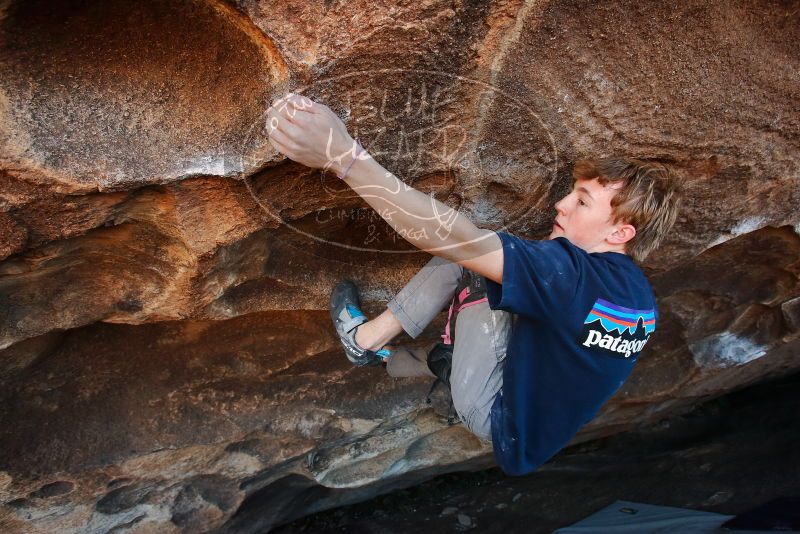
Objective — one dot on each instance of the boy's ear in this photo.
(623, 234)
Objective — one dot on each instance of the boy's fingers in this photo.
(279, 104)
(282, 118)
(290, 109)
(302, 103)
(279, 143)
(280, 136)
(275, 102)
(287, 121)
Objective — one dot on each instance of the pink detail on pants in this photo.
(458, 307)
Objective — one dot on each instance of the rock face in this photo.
(167, 361)
(116, 95)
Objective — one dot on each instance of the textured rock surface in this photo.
(167, 359)
(724, 456)
(104, 95)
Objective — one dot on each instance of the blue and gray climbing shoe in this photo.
(346, 315)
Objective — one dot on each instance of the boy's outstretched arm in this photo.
(310, 133)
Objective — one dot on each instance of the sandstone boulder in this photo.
(166, 358)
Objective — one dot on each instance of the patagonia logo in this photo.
(617, 331)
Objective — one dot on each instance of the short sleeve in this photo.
(540, 278)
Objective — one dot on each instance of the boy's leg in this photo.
(415, 306)
(479, 352)
(409, 361)
(428, 292)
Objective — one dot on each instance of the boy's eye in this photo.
(582, 202)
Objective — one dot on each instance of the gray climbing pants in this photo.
(479, 347)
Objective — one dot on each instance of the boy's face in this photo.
(584, 217)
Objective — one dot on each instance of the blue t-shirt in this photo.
(582, 320)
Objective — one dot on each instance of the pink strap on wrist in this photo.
(357, 154)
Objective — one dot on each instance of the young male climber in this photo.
(546, 331)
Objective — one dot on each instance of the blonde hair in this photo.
(648, 200)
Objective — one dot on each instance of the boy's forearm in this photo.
(422, 220)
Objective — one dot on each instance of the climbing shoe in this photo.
(346, 315)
